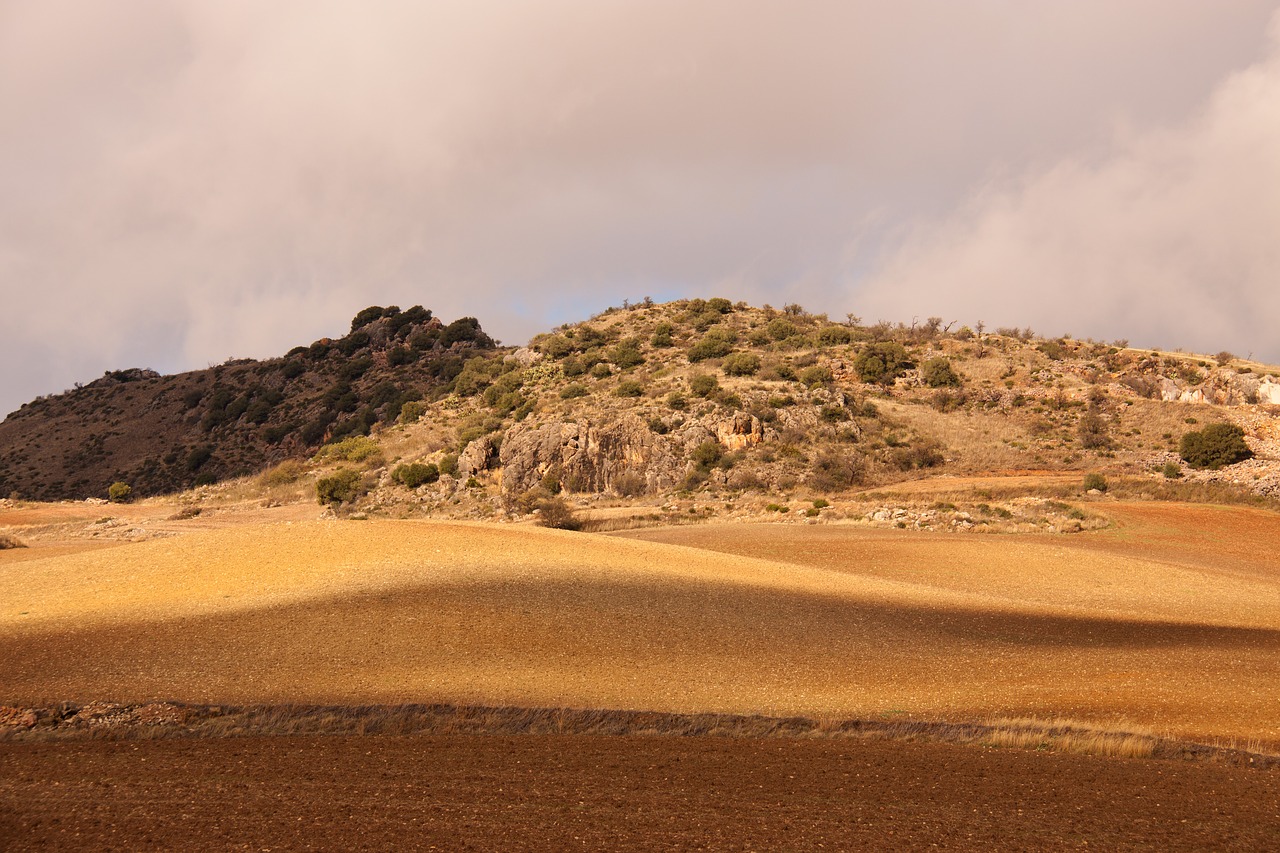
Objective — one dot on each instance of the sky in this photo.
(187, 181)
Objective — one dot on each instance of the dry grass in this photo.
(7, 541)
(68, 721)
(1065, 735)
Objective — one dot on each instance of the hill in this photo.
(690, 397)
(167, 433)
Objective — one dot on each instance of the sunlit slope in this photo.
(385, 611)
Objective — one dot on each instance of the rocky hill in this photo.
(690, 397)
(166, 433)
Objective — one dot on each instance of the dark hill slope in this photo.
(164, 433)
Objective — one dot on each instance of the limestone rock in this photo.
(587, 457)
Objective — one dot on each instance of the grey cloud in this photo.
(181, 182)
(1169, 239)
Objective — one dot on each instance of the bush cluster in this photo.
(414, 474)
(342, 486)
(1214, 446)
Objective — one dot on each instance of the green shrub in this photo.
(703, 384)
(716, 343)
(357, 448)
(720, 305)
(629, 388)
(780, 329)
(707, 454)
(814, 376)
(412, 411)
(1094, 480)
(119, 493)
(449, 464)
(742, 364)
(626, 355)
(343, 486)
(937, 373)
(574, 391)
(882, 362)
(555, 346)
(1171, 470)
(1214, 446)
(821, 503)
(831, 336)
(601, 371)
(415, 474)
(662, 336)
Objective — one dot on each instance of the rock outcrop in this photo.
(625, 455)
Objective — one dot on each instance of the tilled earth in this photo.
(532, 792)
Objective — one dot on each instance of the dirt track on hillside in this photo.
(596, 793)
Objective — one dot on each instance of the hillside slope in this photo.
(167, 433)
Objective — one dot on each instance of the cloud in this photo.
(184, 181)
(1169, 239)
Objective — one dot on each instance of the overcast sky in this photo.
(183, 182)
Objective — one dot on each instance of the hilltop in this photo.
(695, 397)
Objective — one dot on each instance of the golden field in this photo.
(1169, 620)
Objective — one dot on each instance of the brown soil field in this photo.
(1169, 621)
(606, 793)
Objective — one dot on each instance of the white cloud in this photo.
(1169, 239)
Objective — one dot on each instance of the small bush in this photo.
(343, 486)
(707, 454)
(119, 493)
(630, 484)
(703, 384)
(601, 371)
(626, 355)
(780, 329)
(357, 448)
(415, 474)
(742, 364)
(831, 336)
(821, 503)
(814, 376)
(882, 362)
(629, 388)
(449, 464)
(1094, 480)
(574, 391)
(833, 472)
(1093, 432)
(1214, 446)
(662, 336)
(284, 474)
(412, 412)
(925, 454)
(937, 373)
(556, 512)
(1171, 470)
(714, 344)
